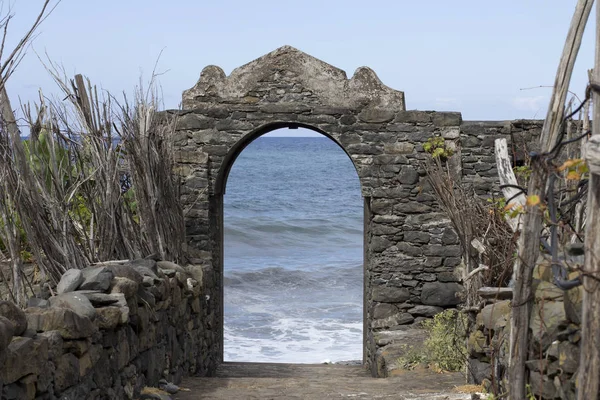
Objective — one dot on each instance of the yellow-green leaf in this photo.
(570, 163)
(573, 175)
(533, 200)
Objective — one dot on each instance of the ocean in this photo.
(293, 273)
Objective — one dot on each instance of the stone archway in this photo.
(410, 251)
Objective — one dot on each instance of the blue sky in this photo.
(470, 56)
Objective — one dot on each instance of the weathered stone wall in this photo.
(477, 149)
(553, 354)
(410, 249)
(111, 331)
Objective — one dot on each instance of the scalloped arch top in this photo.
(290, 75)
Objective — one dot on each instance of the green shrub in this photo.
(445, 347)
(436, 146)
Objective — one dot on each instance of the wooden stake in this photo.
(589, 362)
(529, 241)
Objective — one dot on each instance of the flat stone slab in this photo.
(317, 382)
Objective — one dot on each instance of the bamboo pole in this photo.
(589, 362)
(529, 242)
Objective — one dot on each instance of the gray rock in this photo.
(442, 294)
(13, 313)
(7, 331)
(374, 115)
(146, 263)
(66, 373)
(125, 286)
(125, 271)
(70, 281)
(37, 302)
(146, 298)
(546, 318)
(416, 237)
(492, 313)
(392, 321)
(449, 236)
(542, 386)
(55, 344)
(195, 271)
(169, 265)
(425, 311)
(110, 317)
(479, 371)
(447, 277)
(408, 175)
(384, 310)
(168, 386)
(96, 278)
(568, 357)
(76, 302)
(146, 273)
(98, 299)
(24, 356)
(379, 244)
(386, 294)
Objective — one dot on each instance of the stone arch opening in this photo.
(307, 278)
(238, 147)
(409, 250)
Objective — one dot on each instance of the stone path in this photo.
(240, 381)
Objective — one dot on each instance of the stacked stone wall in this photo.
(111, 331)
(477, 149)
(555, 333)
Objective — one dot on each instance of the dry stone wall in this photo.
(555, 334)
(477, 149)
(110, 331)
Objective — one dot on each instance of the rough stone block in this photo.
(425, 311)
(66, 373)
(384, 310)
(76, 302)
(385, 294)
(546, 318)
(447, 118)
(413, 116)
(14, 314)
(7, 330)
(24, 356)
(491, 313)
(69, 324)
(70, 281)
(376, 115)
(408, 175)
(399, 148)
(96, 278)
(194, 121)
(401, 318)
(441, 294)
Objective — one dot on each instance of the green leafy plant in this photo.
(437, 147)
(445, 347)
(522, 172)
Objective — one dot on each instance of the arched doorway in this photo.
(293, 250)
(406, 258)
